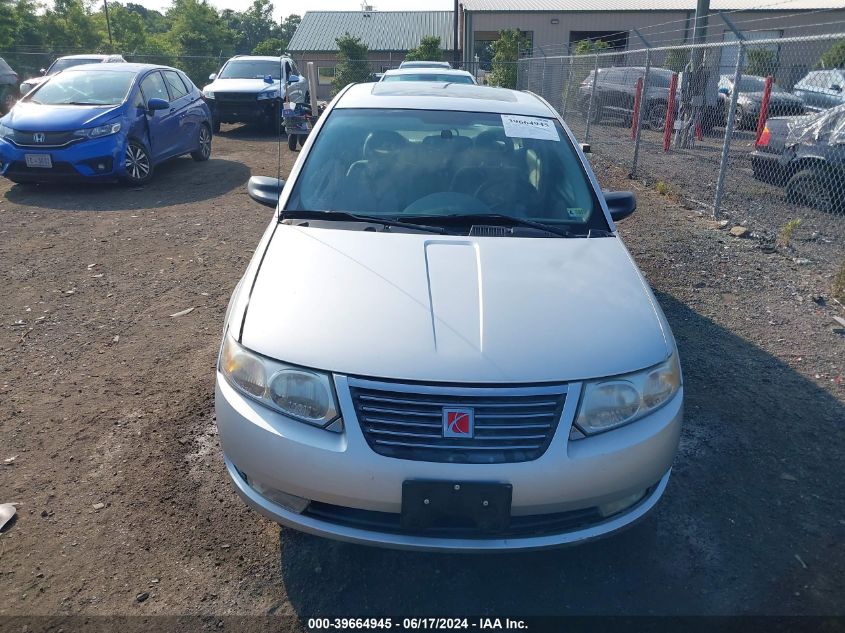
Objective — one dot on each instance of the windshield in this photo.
(411, 163)
(62, 64)
(84, 88)
(251, 69)
(455, 79)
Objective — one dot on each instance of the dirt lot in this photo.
(105, 398)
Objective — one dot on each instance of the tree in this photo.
(271, 46)
(834, 57)
(506, 51)
(287, 28)
(255, 25)
(588, 47)
(199, 35)
(70, 26)
(352, 65)
(760, 61)
(677, 59)
(428, 50)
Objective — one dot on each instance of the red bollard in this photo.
(699, 131)
(764, 108)
(670, 113)
(638, 96)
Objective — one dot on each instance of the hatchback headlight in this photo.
(611, 402)
(268, 94)
(303, 394)
(100, 130)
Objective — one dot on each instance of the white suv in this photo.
(251, 89)
(441, 341)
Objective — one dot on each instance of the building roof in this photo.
(379, 30)
(646, 5)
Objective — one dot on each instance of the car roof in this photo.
(424, 71)
(433, 95)
(89, 56)
(117, 67)
(419, 63)
(260, 58)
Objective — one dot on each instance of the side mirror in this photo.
(43, 71)
(836, 87)
(265, 190)
(585, 147)
(292, 79)
(212, 76)
(157, 104)
(621, 204)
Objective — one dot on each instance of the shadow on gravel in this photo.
(252, 132)
(177, 181)
(751, 521)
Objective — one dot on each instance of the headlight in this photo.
(208, 94)
(612, 402)
(100, 130)
(302, 394)
(269, 94)
(5, 131)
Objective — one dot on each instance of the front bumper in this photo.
(341, 471)
(244, 111)
(79, 161)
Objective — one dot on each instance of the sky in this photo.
(284, 8)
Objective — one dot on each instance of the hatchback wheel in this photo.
(203, 153)
(138, 167)
(656, 119)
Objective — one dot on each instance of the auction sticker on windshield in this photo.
(529, 127)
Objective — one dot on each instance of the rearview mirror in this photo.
(621, 204)
(265, 190)
(157, 104)
(212, 76)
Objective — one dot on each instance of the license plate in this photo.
(39, 160)
(440, 504)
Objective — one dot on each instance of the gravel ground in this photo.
(108, 442)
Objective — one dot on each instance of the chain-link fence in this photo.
(754, 129)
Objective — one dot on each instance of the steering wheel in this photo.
(446, 203)
(501, 195)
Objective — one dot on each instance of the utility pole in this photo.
(108, 24)
(455, 59)
(699, 30)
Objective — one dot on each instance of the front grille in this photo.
(512, 424)
(520, 526)
(45, 139)
(239, 97)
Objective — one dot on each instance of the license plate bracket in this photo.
(43, 161)
(444, 504)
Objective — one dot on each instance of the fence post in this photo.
(729, 129)
(764, 108)
(639, 122)
(670, 113)
(566, 91)
(592, 98)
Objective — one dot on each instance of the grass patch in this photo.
(662, 188)
(786, 231)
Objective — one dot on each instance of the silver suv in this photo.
(250, 89)
(68, 61)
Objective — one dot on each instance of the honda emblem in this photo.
(458, 422)
(39, 137)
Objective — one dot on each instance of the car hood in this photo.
(455, 309)
(241, 85)
(35, 117)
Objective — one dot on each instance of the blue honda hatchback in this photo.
(104, 122)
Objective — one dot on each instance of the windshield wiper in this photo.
(373, 219)
(482, 217)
